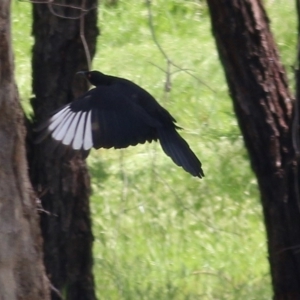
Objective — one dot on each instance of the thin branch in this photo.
(56, 291)
(170, 63)
(150, 18)
(168, 83)
(83, 39)
(50, 4)
(194, 76)
(82, 12)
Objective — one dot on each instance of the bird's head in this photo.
(94, 77)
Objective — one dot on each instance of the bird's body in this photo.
(118, 113)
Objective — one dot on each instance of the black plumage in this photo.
(118, 113)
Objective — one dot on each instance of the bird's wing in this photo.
(103, 117)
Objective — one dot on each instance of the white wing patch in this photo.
(78, 139)
(72, 128)
(88, 140)
(59, 113)
(56, 119)
(61, 130)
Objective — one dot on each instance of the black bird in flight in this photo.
(118, 113)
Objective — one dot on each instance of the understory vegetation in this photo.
(160, 233)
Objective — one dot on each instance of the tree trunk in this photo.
(63, 183)
(22, 273)
(296, 122)
(264, 108)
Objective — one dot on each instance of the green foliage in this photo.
(22, 44)
(159, 233)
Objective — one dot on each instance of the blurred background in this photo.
(160, 233)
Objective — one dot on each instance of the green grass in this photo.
(159, 233)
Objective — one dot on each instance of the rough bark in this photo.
(265, 109)
(22, 273)
(296, 121)
(63, 183)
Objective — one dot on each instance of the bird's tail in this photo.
(179, 150)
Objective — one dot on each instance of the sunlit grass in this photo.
(22, 43)
(159, 233)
